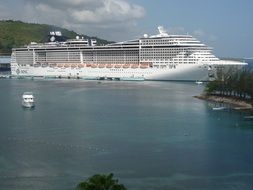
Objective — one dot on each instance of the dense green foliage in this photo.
(236, 83)
(101, 182)
(17, 34)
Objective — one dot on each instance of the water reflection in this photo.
(152, 135)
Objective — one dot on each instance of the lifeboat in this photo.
(117, 66)
(101, 65)
(37, 64)
(109, 66)
(66, 65)
(59, 65)
(126, 66)
(80, 65)
(73, 65)
(88, 65)
(94, 66)
(134, 66)
(44, 64)
(52, 64)
(144, 65)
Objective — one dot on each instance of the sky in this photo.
(224, 25)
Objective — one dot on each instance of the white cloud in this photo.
(65, 4)
(98, 17)
(111, 11)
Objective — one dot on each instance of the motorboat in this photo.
(199, 82)
(219, 108)
(250, 117)
(28, 100)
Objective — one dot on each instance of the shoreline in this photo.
(235, 103)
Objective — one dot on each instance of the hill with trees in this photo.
(17, 34)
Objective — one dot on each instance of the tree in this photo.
(101, 182)
(236, 83)
(212, 87)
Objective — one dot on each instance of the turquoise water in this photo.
(151, 135)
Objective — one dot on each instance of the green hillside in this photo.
(17, 33)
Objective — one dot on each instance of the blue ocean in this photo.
(250, 62)
(151, 135)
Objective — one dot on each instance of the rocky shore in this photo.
(235, 103)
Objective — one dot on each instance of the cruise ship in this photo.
(156, 57)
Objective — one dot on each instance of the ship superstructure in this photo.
(157, 57)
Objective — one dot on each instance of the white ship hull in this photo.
(194, 72)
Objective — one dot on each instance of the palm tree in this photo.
(101, 182)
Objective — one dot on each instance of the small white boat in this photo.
(199, 82)
(248, 117)
(219, 108)
(28, 100)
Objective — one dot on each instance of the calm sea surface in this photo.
(151, 135)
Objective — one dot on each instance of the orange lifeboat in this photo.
(94, 66)
(117, 66)
(59, 65)
(80, 65)
(126, 66)
(109, 66)
(88, 65)
(101, 65)
(144, 65)
(66, 65)
(73, 65)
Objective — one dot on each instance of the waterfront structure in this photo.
(157, 57)
(5, 61)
